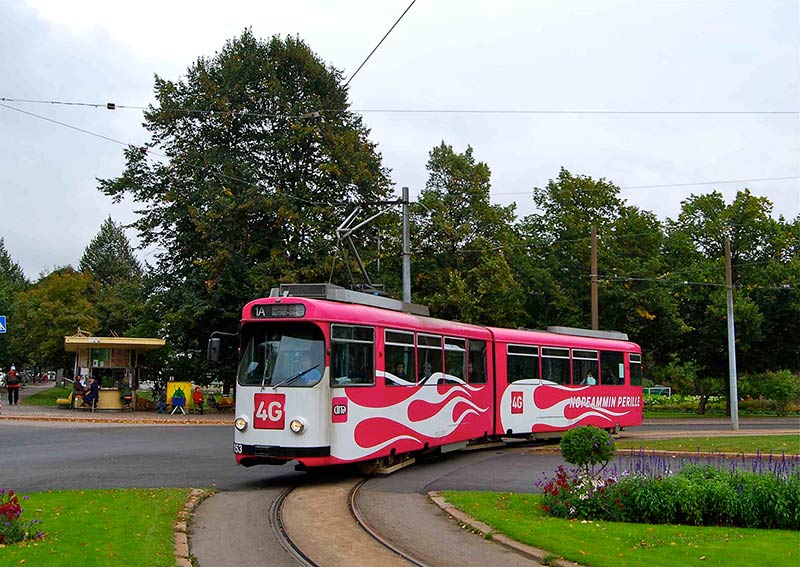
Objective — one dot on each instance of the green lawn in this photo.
(46, 397)
(765, 444)
(124, 528)
(609, 544)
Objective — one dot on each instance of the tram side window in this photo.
(352, 355)
(401, 361)
(522, 363)
(429, 350)
(555, 365)
(636, 369)
(477, 362)
(612, 368)
(455, 359)
(584, 367)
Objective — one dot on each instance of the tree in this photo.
(461, 269)
(109, 256)
(119, 297)
(55, 307)
(556, 264)
(252, 184)
(12, 280)
(762, 260)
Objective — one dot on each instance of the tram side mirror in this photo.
(213, 350)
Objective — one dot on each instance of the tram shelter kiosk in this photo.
(112, 360)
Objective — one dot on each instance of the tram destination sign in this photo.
(275, 311)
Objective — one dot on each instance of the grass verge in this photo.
(764, 444)
(46, 397)
(610, 544)
(124, 528)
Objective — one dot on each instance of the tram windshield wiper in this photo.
(295, 377)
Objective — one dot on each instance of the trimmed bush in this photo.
(699, 495)
(587, 446)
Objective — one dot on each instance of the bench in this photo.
(220, 404)
(67, 402)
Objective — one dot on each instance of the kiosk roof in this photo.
(74, 344)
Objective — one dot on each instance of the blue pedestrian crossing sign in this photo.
(2, 323)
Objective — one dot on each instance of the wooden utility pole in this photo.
(734, 393)
(595, 308)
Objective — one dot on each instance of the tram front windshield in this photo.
(281, 354)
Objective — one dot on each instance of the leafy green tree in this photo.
(12, 280)
(110, 259)
(109, 256)
(55, 307)
(556, 261)
(252, 184)
(460, 266)
(761, 259)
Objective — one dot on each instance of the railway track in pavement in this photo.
(320, 525)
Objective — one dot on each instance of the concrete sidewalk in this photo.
(56, 414)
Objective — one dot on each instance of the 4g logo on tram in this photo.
(269, 411)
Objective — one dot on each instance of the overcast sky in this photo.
(535, 55)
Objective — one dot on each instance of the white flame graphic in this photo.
(553, 416)
(436, 426)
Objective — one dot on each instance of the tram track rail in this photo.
(362, 522)
(347, 511)
(281, 534)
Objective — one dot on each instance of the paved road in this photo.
(50, 451)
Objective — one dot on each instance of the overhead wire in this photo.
(152, 152)
(600, 278)
(500, 111)
(379, 43)
(666, 185)
(113, 106)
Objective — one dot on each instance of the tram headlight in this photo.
(240, 423)
(297, 426)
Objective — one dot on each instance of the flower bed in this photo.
(763, 492)
(13, 528)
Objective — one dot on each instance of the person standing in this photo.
(12, 385)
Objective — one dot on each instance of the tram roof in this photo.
(332, 311)
(567, 337)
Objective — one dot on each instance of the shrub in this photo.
(783, 387)
(12, 528)
(779, 389)
(768, 496)
(587, 447)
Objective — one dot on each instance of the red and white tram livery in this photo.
(329, 376)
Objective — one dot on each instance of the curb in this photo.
(486, 532)
(181, 528)
(143, 421)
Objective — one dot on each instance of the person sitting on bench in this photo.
(93, 394)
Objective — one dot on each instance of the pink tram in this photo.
(329, 376)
